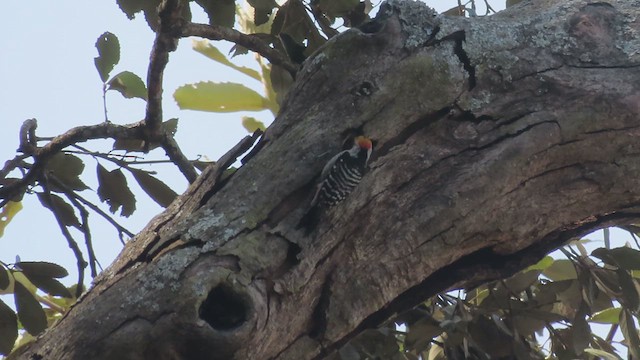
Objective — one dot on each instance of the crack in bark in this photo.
(458, 39)
(633, 66)
(433, 237)
(511, 120)
(544, 173)
(538, 72)
(611, 130)
(563, 143)
(319, 313)
(132, 320)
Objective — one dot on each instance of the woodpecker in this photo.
(339, 177)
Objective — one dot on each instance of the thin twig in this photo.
(108, 157)
(84, 227)
(52, 305)
(251, 42)
(10, 165)
(114, 157)
(164, 43)
(611, 333)
(81, 263)
(121, 229)
(104, 102)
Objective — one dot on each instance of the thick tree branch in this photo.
(174, 153)
(251, 42)
(76, 135)
(28, 142)
(166, 41)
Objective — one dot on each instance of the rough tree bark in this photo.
(497, 139)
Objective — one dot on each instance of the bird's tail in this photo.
(310, 220)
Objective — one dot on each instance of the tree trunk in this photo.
(497, 139)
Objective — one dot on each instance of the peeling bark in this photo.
(497, 140)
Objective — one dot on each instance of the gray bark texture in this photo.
(497, 139)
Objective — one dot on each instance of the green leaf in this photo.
(252, 124)
(130, 7)
(628, 327)
(623, 257)
(262, 10)
(8, 328)
(156, 189)
(113, 190)
(607, 316)
(171, 126)
(59, 207)
(601, 354)
(562, 269)
(108, 54)
(4, 278)
(290, 20)
(205, 48)
(219, 97)
(580, 330)
(150, 10)
(42, 268)
(295, 49)
(130, 145)
(50, 286)
(29, 309)
(542, 265)
(521, 281)
(630, 296)
(423, 330)
(67, 169)
(281, 82)
(220, 12)
(7, 213)
(129, 85)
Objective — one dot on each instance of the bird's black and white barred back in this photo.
(340, 182)
(342, 173)
(338, 179)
